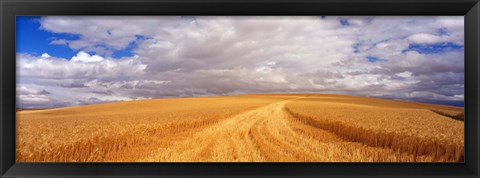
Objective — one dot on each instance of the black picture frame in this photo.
(470, 9)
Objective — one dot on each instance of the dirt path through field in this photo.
(263, 134)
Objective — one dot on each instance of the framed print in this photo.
(251, 88)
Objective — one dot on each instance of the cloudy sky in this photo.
(78, 60)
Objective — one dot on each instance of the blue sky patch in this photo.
(344, 22)
(433, 48)
(125, 52)
(33, 40)
(374, 59)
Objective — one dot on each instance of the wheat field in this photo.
(244, 128)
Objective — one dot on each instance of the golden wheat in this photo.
(387, 124)
(248, 128)
(119, 131)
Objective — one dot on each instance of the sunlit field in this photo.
(245, 128)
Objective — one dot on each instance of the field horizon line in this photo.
(18, 109)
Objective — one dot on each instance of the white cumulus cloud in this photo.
(85, 57)
(200, 56)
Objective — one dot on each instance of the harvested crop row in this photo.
(383, 103)
(122, 131)
(414, 131)
(269, 134)
(249, 128)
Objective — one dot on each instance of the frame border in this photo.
(9, 9)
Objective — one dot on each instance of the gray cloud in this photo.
(201, 56)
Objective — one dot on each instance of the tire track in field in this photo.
(266, 134)
(225, 141)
